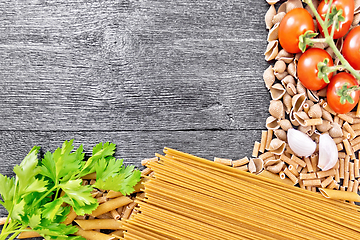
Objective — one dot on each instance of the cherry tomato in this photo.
(308, 71)
(351, 48)
(336, 83)
(348, 12)
(295, 23)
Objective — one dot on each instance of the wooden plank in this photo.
(132, 65)
(132, 146)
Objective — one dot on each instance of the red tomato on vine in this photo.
(347, 7)
(336, 95)
(308, 71)
(351, 48)
(295, 23)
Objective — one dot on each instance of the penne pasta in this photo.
(99, 224)
(224, 161)
(322, 174)
(28, 234)
(312, 182)
(346, 118)
(308, 164)
(288, 160)
(128, 209)
(240, 162)
(308, 175)
(313, 121)
(340, 195)
(93, 235)
(89, 176)
(350, 130)
(348, 148)
(341, 168)
(243, 168)
(299, 161)
(114, 194)
(115, 214)
(70, 217)
(356, 168)
(263, 141)
(352, 172)
(111, 205)
(269, 136)
(256, 149)
(327, 181)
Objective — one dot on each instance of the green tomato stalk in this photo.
(331, 19)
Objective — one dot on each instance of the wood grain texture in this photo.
(132, 65)
(143, 74)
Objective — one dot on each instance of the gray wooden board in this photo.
(143, 74)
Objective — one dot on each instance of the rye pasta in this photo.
(193, 198)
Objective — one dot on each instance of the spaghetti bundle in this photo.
(193, 198)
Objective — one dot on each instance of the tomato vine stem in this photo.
(328, 37)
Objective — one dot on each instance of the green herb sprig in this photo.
(42, 192)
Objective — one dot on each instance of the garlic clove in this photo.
(328, 153)
(300, 143)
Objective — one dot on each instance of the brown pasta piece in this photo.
(263, 141)
(349, 129)
(327, 181)
(356, 168)
(290, 175)
(346, 118)
(256, 149)
(269, 138)
(224, 161)
(308, 164)
(346, 179)
(352, 171)
(299, 161)
(322, 174)
(110, 205)
(243, 168)
(240, 162)
(288, 160)
(312, 182)
(308, 176)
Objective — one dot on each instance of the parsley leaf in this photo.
(111, 175)
(33, 197)
(99, 151)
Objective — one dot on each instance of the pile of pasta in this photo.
(294, 106)
(189, 197)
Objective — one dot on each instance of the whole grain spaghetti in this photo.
(193, 198)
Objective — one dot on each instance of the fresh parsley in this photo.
(42, 192)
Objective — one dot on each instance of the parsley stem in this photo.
(45, 195)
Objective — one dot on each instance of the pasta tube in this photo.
(99, 224)
(111, 205)
(340, 195)
(93, 235)
(28, 234)
(70, 217)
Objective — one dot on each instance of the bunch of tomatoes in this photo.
(299, 21)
